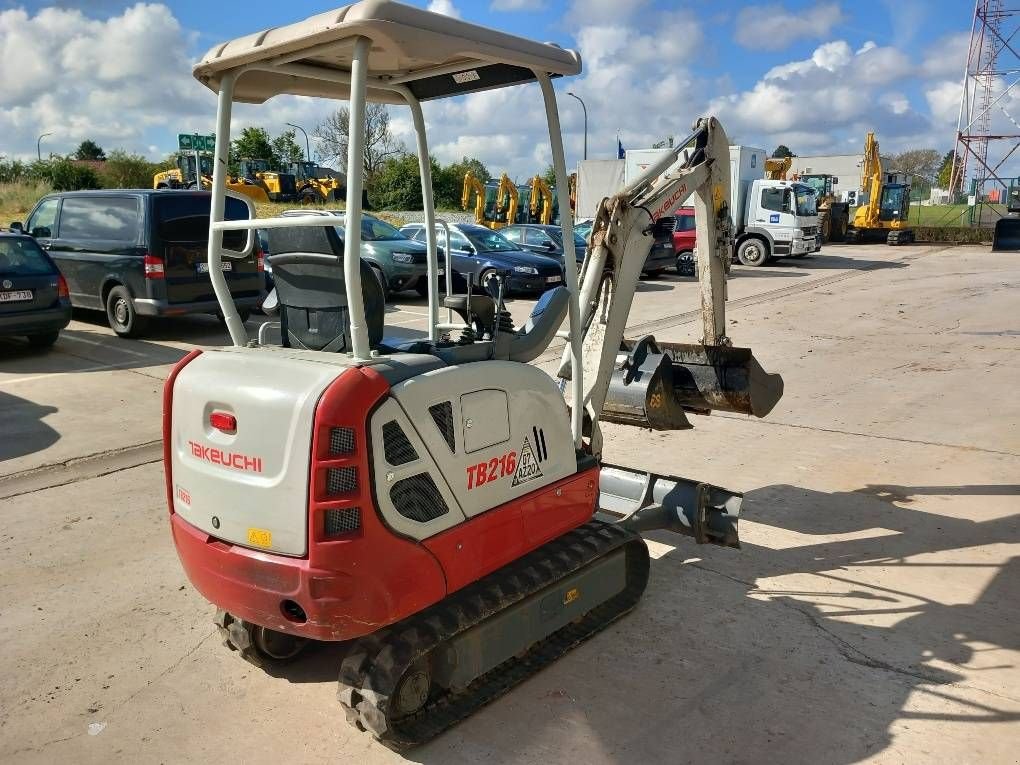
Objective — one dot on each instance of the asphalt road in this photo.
(870, 616)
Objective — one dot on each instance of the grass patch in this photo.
(17, 199)
(953, 234)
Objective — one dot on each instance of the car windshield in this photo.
(22, 257)
(807, 202)
(375, 230)
(485, 240)
(557, 234)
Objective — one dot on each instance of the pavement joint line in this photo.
(836, 431)
(78, 469)
(50, 375)
(106, 346)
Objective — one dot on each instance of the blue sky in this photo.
(814, 75)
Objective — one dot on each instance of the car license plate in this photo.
(203, 268)
(16, 296)
(552, 279)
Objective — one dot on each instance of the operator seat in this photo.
(534, 337)
(308, 269)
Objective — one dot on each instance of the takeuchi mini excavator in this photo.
(441, 506)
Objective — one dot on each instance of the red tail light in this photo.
(154, 267)
(62, 290)
(260, 260)
(223, 421)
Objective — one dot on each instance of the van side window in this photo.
(104, 218)
(772, 199)
(44, 219)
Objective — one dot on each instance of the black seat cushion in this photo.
(308, 270)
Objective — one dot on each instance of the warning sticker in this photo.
(527, 465)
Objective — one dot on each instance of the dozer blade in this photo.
(640, 501)
(1007, 235)
(657, 382)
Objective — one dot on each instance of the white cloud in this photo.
(445, 7)
(947, 57)
(774, 27)
(582, 12)
(82, 78)
(516, 5)
(944, 101)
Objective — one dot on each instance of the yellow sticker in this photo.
(260, 537)
(571, 596)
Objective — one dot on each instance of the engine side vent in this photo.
(343, 520)
(398, 449)
(442, 415)
(418, 498)
(341, 480)
(341, 441)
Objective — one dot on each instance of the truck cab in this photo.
(771, 218)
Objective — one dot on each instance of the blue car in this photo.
(481, 252)
(34, 301)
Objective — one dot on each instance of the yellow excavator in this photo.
(505, 203)
(777, 167)
(183, 176)
(541, 193)
(884, 203)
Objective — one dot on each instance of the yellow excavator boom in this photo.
(867, 215)
(473, 186)
(506, 199)
(540, 191)
(777, 167)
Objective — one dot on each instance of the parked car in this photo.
(544, 239)
(140, 254)
(684, 241)
(34, 301)
(399, 262)
(660, 257)
(480, 252)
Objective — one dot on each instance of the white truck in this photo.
(770, 218)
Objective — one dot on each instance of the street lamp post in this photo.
(308, 146)
(38, 145)
(585, 108)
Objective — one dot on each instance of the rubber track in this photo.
(375, 664)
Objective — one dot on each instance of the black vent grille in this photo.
(418, 498)
(341, 480)
(442, 415)
(342, 521)
(398, 449)
(341, 441)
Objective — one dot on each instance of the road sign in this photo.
(196, 142)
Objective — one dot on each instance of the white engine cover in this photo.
(250, 487)
(510, 433)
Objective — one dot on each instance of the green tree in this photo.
(127, 171)
(396, 184)
(782, 151)
(253, 143)
(945, 171)
(90, 150)
(65, 175)
(286, 149)
(448, 180)
(923, 163)
(549, 176)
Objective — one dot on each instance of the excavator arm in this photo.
(472, 186)
(541, 193)
(506, 200)
(643, 382)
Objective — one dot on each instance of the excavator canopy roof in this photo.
(433, 55)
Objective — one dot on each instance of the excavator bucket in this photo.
(1007, 235)
(640, 501)
(655, 384)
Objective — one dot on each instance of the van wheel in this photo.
(121, 314)
(753, 252)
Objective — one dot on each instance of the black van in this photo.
(142, 253)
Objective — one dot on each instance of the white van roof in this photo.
(433, 55)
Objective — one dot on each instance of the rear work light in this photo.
(223, 421)
(154, 268)
(62, 290)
